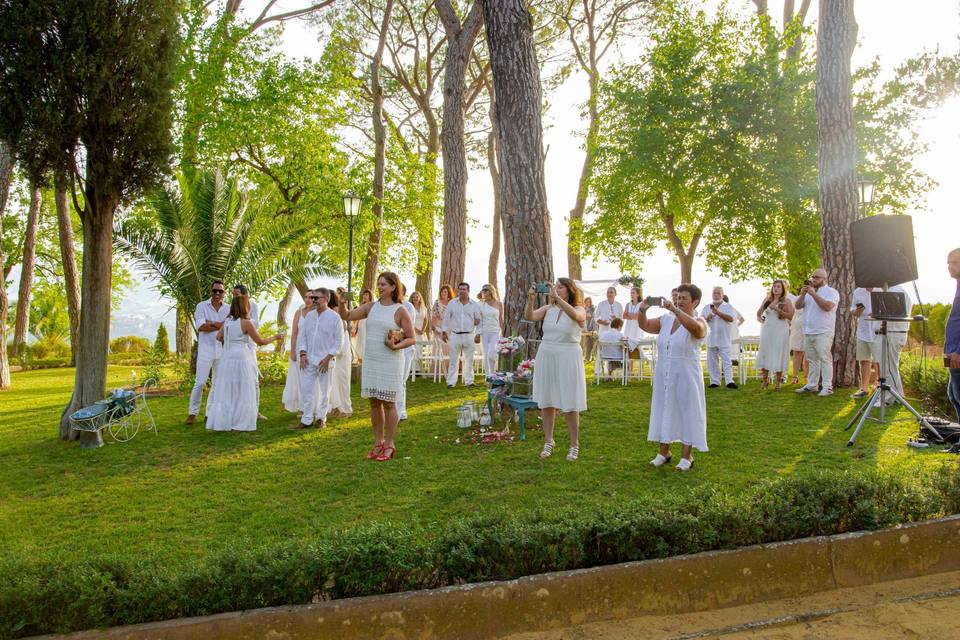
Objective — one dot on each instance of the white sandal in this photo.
(660, 460)
(684, 465)
(547, 450)
(573, 453)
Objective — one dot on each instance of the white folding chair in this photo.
(747, 367)
(610, 352)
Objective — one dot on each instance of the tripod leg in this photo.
(866, 414)
(856, 417)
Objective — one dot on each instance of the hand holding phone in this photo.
(654, 301)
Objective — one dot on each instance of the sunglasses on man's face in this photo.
(220, 291)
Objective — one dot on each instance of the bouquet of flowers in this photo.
(512, 344)
(524, 370)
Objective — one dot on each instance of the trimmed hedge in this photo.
(44, 597)
(928, 381)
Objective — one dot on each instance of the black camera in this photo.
(543, 287)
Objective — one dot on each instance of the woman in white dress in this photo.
(678, 411)
(491, 327)
(360, 328)
(234, 396)
(559, 381)
(437, 313)
(797, 345)
(341, 405)
(774, 314)
(389, 331)
(291, 390)
(631, 325)
(421, 326)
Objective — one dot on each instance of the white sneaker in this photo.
(805, 389)
(659, 461)
(825, 392)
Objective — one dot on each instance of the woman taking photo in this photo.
(678, 411)
(774, 314)
(491, 327)
(291, 390)
(559, 381)
(389, 330)
(235, 395)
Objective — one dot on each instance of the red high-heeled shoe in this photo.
(376, 452)
(386, 453)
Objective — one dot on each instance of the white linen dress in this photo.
(489, 334)
(382, 373)
(233, 403)
(631, 328)
(559, 380)
(291, 389)
(678, 412)
(340, 383)
(774, 352)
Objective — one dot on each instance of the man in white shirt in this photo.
(608, 309)
(720, 317)
(208, 318)
(611, 345)
(319, 340)
(868, 342)
(408, 355)
(819, 304)
(459, 323)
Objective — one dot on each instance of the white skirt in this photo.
(559, 380)
(291, 390)
(233, 401)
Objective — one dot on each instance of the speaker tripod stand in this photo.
(878, 399)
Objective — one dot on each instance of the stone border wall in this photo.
(557, 600)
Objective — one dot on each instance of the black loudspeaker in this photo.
(883, 252)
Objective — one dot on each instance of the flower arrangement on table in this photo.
(522, 380)
(510, 344)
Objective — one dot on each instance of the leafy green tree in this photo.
(107, 77)
(161, 345)
(208, 228)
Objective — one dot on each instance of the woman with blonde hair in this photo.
(389, 331)
(774, 314)
(491, 326)
(559, 381)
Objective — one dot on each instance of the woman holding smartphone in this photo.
(774, 314)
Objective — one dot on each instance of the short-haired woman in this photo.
(234, 397)
(678, 411)
(389, 332)
(559, 381)
(774, 314)
(491, 326)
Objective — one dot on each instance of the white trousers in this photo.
(408, 358)
(488, 339)
(315, 392)
(723, 355)
(461, 343)
(895, 344)
(819, 348)
(206, 364)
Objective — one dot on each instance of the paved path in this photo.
(921, 608)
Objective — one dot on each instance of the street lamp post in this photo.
(351, 209)
(866, 186)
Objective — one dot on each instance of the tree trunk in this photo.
(69, 257)
(6, 175)
(25, 291)
(460, 41)
(184, 331)
(372, 261)
(837, 143)
(523, 210)
(427, 246)
(494, 262)
(90, 381)
(282, 311)
(575, 224)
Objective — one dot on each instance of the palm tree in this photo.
(209, 229)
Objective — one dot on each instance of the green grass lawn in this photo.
(185, 493)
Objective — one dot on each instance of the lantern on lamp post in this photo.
(866, 186)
